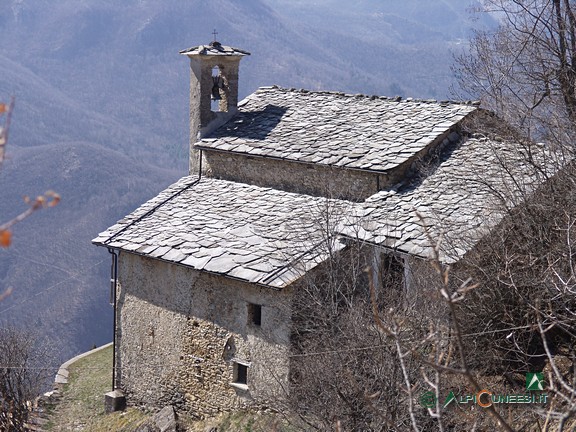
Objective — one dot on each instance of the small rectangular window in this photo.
(240, 373)
(254, 314)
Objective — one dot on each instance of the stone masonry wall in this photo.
(318, 180)
(180, 333)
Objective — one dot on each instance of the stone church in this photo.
(206, 272)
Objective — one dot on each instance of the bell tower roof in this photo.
(214, 49)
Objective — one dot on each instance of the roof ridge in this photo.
(371, 97)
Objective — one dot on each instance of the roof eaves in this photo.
(105, 238)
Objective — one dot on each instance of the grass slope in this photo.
(82, 404)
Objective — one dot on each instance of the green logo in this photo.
(535, 381)
(449, 399)
(428, 399)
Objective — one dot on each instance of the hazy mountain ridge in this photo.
(87, 51)
(59, 278)
(401, 48)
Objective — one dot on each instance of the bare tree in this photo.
(22, 374)
(523, 316)
(345, 372)
(365, 349)
(525, 71)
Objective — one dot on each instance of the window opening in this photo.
(240, 373)
(254, 314)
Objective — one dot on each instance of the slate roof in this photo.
(214, 49)
(272, 237)
(456, 202)
(336, 129)
(255, 234)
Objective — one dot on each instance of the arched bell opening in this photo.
(215, 94)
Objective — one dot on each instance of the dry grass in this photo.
(82, 404)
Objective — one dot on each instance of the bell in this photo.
(216, 88)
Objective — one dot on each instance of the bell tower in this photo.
(213, 90)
